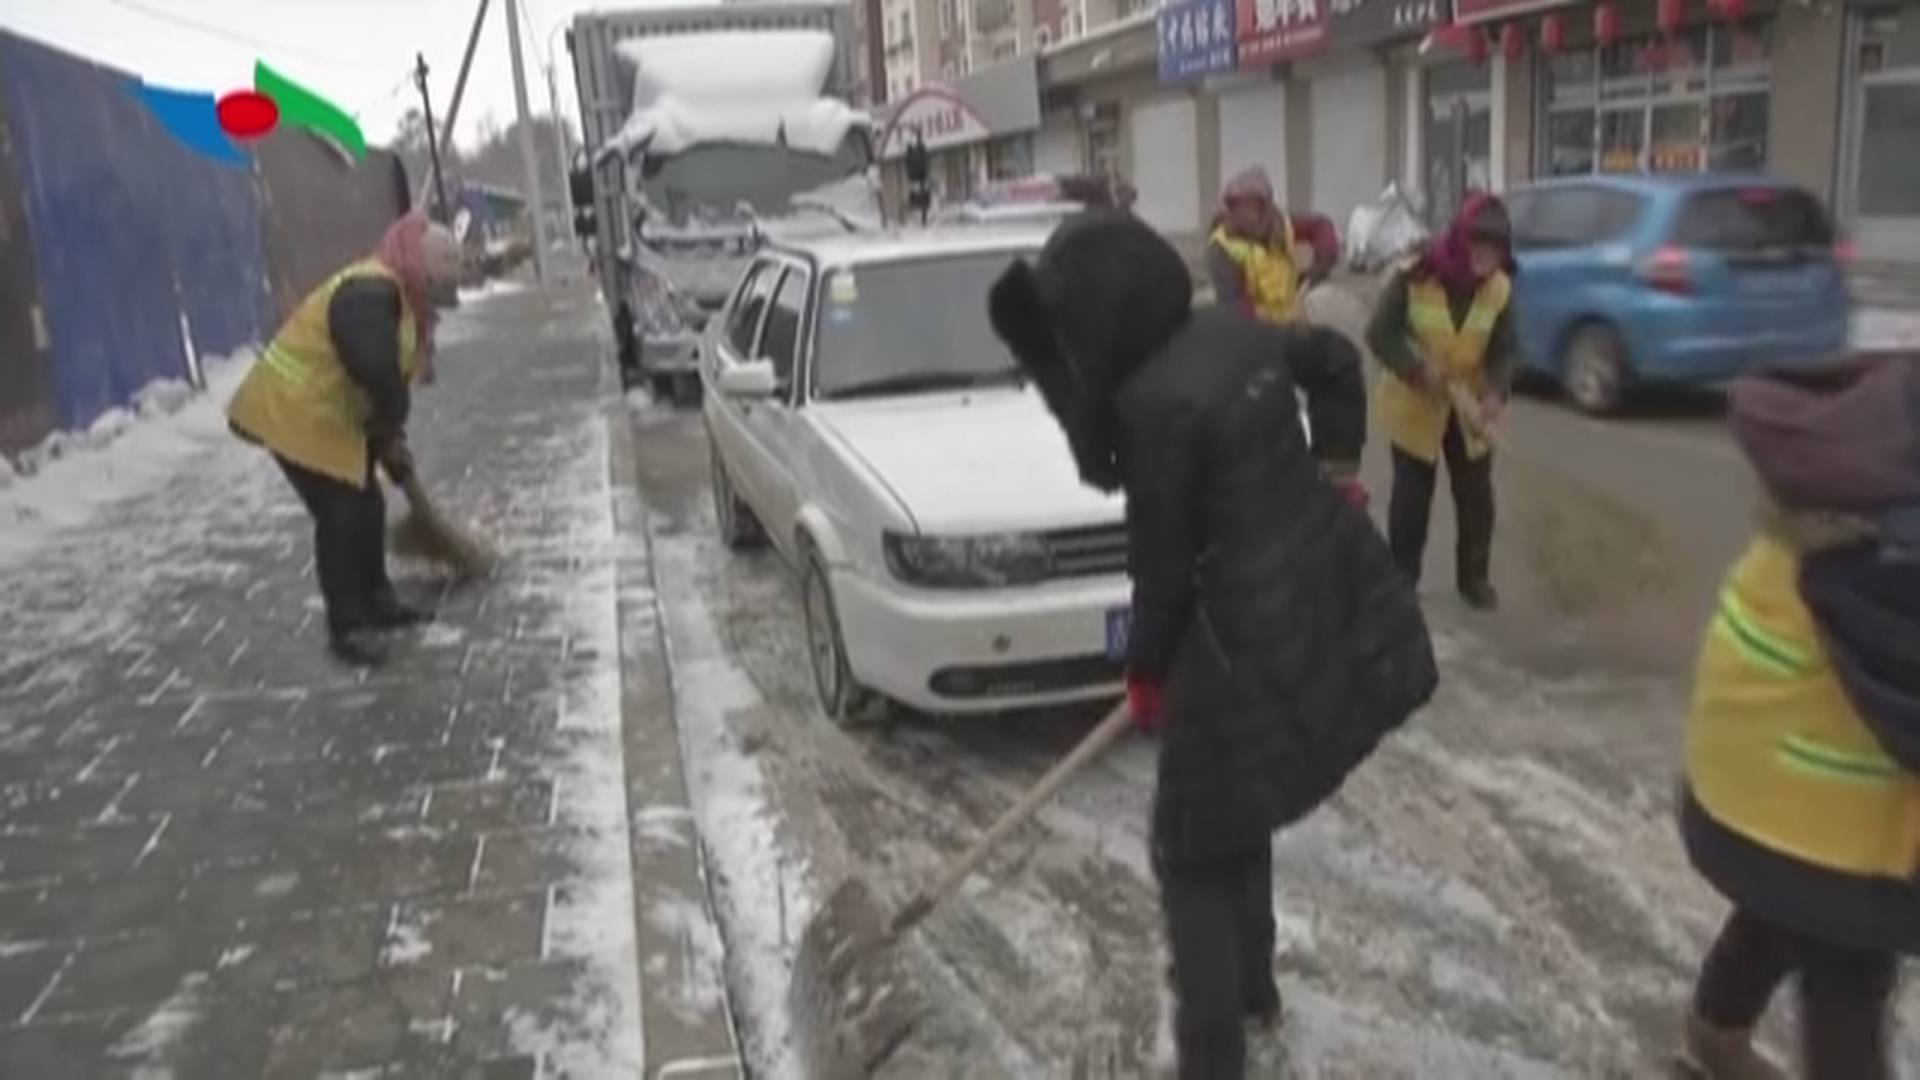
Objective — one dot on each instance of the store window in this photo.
(1010, 158)
(1889, 139)
(1691, 102)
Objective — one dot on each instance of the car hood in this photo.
(974, 462)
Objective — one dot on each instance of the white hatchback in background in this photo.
(866, 420)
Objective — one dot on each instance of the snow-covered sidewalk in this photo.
(225, 855)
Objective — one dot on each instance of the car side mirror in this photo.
(754, 380)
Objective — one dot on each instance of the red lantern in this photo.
(1606, 24)
(1477, 47)
(1668, 15)
(1513, 41)
(1553, 34)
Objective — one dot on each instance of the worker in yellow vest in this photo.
(1802, 797)
(1443, 332)
(328, 398)
(1251, 250)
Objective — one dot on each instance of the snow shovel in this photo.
(851, 1001)
(425, 533)
(1587, 548)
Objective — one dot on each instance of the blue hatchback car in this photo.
(1683, 279)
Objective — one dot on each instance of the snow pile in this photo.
(67, 478)
(756, 87)
(491, 288)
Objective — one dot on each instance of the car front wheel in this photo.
(842, 697)
(1595, 371)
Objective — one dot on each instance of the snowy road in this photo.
(1500, 893)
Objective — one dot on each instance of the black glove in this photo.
(397, 457)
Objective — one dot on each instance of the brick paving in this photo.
(224, 855)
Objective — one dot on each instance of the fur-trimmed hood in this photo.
(1105, 294)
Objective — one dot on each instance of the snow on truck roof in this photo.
(732, 86)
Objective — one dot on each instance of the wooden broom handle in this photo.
(1097, 741)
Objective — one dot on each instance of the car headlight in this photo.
(968, 562)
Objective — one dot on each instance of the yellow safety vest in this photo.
(298, 399)
(1416, 422)
(1775, 750)
(1272, 281)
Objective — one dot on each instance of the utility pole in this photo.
(535, 203)
(439, 210)
(460, 83)
(559, 129)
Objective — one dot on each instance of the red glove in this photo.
(1355, 492)
(1143, 700)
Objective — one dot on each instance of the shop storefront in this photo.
(1688, 102)
(1358, 90)
(1880, 165)
(1196, 41)
(1455, 122)
(978, 130)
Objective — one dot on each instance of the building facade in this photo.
(1339, 98)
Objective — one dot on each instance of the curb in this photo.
(686, 1013)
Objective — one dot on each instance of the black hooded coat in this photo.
(1265, 604)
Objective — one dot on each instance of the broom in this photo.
(425, 533)
(1587, 549)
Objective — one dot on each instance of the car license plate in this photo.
(1119, 626)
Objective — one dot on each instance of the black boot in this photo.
(1480, 596)
(357, 648)
(391, 613)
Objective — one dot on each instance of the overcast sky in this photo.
(356, 53)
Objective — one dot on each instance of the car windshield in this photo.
(909, 327)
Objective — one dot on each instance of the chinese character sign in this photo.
(1196, 38)
(1270, 31)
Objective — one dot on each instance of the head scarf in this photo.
(1249, 183)
(403, 250)
(1843, 439)
(1482, 217)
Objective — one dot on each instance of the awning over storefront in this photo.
(997, 101)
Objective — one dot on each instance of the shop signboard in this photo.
(1196, 38)
(995, 102)
(1480, 11)
(1369, 22)
(1270, 31)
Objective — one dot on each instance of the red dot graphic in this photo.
(247, 114)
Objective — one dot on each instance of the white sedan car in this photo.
(865, 419)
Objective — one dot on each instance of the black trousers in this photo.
(1411, 507)
(1844, 994)
(1220, 930)
(349, 544)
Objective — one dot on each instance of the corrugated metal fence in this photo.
(120, 247)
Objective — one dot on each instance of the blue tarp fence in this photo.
(121, 247)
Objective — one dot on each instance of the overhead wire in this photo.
(214, 30)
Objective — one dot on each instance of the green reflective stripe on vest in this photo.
(1480, 318)
(1758, 646)
(285, 364)
(1429, 316)
(1808, 755)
